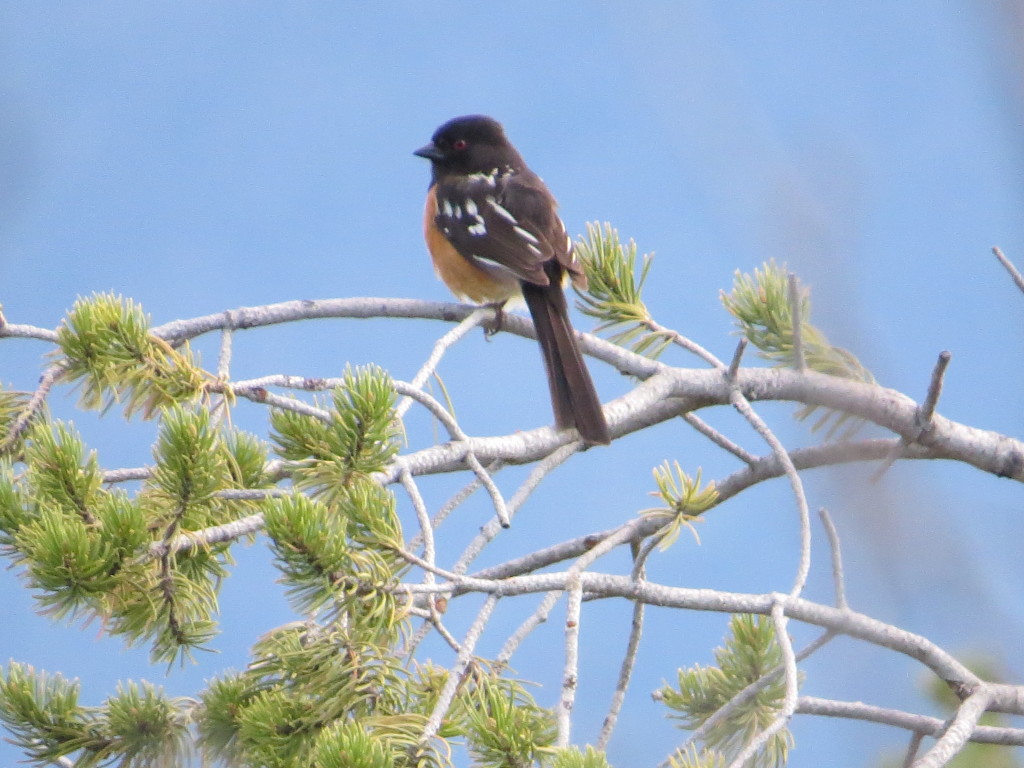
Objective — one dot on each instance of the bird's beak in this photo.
(430, 151)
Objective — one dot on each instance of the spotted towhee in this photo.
(493, 233)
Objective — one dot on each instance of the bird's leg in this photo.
(495, 325)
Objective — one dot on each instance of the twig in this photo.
(737, 357)
(924, 415)
(927, 410)
(451, 685)
(789, 702)
(411, 393)
(21, 331)
(500, 508)
(490, 530)
(629, 657)
(423, 518)
(1006, 698)
(570, 670)
(20, 424)
(1018, 279)
(754, 688)
(534, 620)
(799, 362)
(442, 630)
(927, 726)
(718, 438)
(837, 558)
(764, 468)
(261, 395)
(959, 732)
(427, 536)
(916, 738)
(455, 501)
(127, 474)
(456, 433)
(441, 346)
(224, 354)
(614, 538)
(682, 341)
(218, 534)
(741, 404)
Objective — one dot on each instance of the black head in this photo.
(470, 144)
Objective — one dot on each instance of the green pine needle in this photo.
(574, 757)
(360, 438)
(42, 714)
(12, 405)
(692, 757)
(111, 356)
(761, 306)
(750, 651)
(684, 501)
(614, 290)
(506, 728)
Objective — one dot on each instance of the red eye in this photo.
(459, 144)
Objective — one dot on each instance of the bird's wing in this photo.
(505, 219)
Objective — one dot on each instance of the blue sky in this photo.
(203, 156)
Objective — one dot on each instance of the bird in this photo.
(494, 234)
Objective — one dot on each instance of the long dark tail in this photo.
(573, 396)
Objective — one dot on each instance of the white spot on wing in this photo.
(492, 264)
(534, 249)
(483, 178)
(446, 206)
(476, 226)
(527, 236)
(499, 209)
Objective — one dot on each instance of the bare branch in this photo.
(928, 726)
(441, 346)
(750, 691)
(454, 680)
(626, 668)
(17, 331)
(20, 424)
(372, 307)
(959, 732)
(224, 354)
(792, 682)
(718, 438)
(916, 738)
(534, 620)
(1005, 698)
(923, 416)
(682, 341)
(570, 671)
(500, 508)
(1018, 279)
(737, 357)
(741, 404)
(423, 518)
(927, 410)
(837, 558)
(673, 391)
(489, 531)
